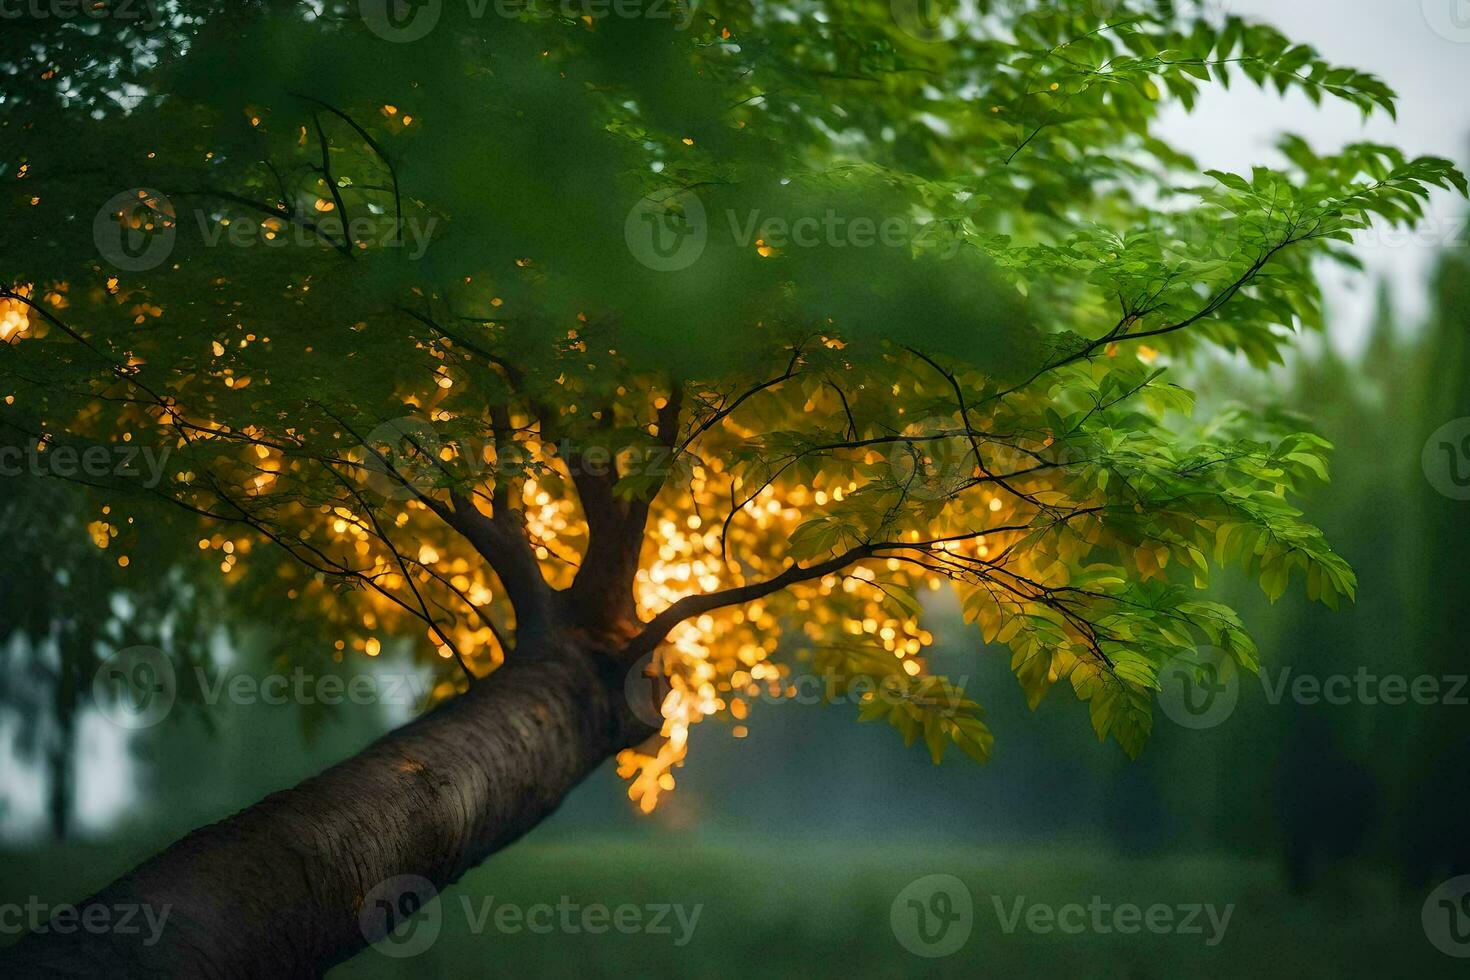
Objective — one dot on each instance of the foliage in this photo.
(448, 346)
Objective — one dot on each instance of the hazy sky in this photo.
(1422, 49)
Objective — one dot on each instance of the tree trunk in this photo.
(62, 757)
(280, 888)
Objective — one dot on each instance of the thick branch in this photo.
(277, 890)
(502, 542)
(694, 605)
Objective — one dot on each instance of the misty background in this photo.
(1335, 820)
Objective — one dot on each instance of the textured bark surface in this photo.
(276, 890)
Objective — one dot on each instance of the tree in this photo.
(1434, 399)
(629, 343)
(61, 613)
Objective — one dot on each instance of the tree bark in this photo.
(277, 889)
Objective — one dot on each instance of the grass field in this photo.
(823, 910)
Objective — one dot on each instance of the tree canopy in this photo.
(720, 333)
